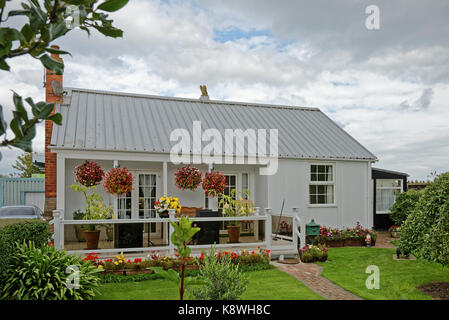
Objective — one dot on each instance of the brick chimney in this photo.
(52, 81)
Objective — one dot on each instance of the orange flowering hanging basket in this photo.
(118, 181)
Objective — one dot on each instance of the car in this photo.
(21, 212)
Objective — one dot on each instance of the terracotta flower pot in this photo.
(92, 238)
(234, 234)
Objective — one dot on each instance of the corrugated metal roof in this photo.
(100, 120)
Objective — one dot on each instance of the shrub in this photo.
(36, 231)
(224, 280)
(404, 205)
(311, 253)
(425, 231)
(37, 273)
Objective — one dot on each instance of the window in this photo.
(147, 195)
(124, 206)
(322, 185)
(231, 181)
(386, 192)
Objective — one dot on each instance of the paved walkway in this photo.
(384, 240)
(310, 275)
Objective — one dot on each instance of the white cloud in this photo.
(388, 90)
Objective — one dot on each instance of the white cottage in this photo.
(322, 172)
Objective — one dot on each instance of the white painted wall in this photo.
(352, 192)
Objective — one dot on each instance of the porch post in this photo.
(171, 246)
(165, 228)
(256, 224)
(58, 229)
(268, 227)
(60, 181)
(164, 178)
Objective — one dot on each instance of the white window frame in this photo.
(332, 183)
(388, 188)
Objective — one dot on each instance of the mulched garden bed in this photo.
(437, 290)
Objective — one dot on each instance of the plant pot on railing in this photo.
(92, 238)
(234, 234)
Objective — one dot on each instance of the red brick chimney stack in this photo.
(50, 158)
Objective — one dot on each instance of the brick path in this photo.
(310, 275)
(384, 240)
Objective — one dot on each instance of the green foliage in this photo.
(40, 273)
(404, 205)
(236, 206)
(425, 232)
(94, 208)
(311, 253)
(183, 232)
(224, 280)
(24, 164)
(43, 22)
(36, 231)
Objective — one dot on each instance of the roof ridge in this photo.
(168, 98)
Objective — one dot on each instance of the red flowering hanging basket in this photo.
(188, 178)
(214, 183)
(118, 181)
(89, 174)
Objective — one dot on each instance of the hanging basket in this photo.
(214, 183)
(89, 174)
(188, 178)
(118, 181)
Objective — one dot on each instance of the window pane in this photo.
(321, 173)
(385, 199)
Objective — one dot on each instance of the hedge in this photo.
(36, 231)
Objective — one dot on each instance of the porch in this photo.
(269, 235)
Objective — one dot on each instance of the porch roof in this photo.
(115, 121)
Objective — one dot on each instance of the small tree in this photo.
(180, 237)
(24, 164)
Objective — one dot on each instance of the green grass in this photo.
(398, 279)
(264, 285)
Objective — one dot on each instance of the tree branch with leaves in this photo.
(48, 20)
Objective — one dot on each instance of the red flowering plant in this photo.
(118, 181)
(214, 183)
(188, 178)
(89, 174)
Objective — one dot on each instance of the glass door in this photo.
(147, 197)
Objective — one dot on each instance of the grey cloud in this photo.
(422, 103)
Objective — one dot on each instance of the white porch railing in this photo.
(59, 224)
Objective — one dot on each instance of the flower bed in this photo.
(350, 237)
(121, 265)
(311, 253)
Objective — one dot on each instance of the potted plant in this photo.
(79, 228)
(164, 203)
(94, 210)
(188, 178)
(394, 231)
(235, 208)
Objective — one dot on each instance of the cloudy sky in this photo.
(389, 88)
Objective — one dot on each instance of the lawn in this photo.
(398, 279)
(269, 284)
